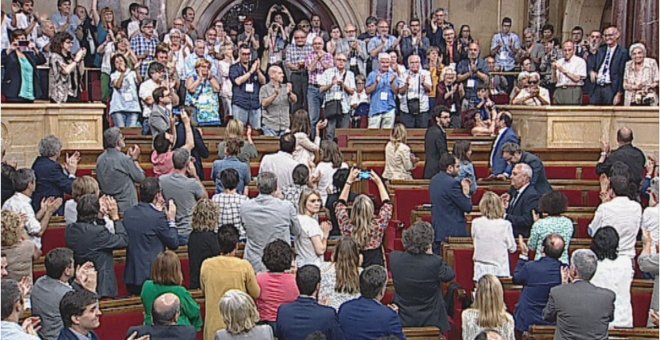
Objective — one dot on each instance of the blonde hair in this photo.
(362, 215)
(238, 311)
(11, 228)
(446, 70)
(399, 135)
(234, 129)
(84, 185)
(491, 206)
(347, 266)
(202, 62)
(304, 197)
(206, 215)
(489, 301)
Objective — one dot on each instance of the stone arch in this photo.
(587, 14)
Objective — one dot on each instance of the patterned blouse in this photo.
(471, 328)
(552, 224)
(378, 224)
(61, 86)
(647, 76)
(328, 296)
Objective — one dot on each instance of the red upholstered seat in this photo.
(501, 99)
(589, 172)
(408, 199)
(582, 227)
(115, 325)
(464, 268)
(120, 267)
(560, 172)
(641, 302)
(481, 171)
(54, 237)
(511, 298)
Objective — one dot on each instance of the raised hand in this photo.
(86, 275)
(353, 175)
(134, 152)
(185, 118)
(31, 325)
(71, 163)
(112, 208)
(326, 227)
(25, 286)
(522, 246)
(171, 210)
(134, 335)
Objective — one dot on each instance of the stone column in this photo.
(646, 25)
(620, 19)
(539, 12)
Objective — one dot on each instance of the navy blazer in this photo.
(148, 235)
(435, 145)
(12, 81)
(537, 278)
(67, 334)
(520, 213)
(449, 206)
(298, 319)
(200, 151)
(497, 164)
(161, 332)
(539, 180)
(617, 65)
(368, 319)
(51, 181)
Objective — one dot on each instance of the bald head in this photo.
(166, 309)
(624, 135)
(553, 246)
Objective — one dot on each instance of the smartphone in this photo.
(23, 44)
(176, 111)
(364, 175)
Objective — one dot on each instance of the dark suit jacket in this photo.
(537, 278)
(148, 235)
(67, 334)
(617, 65)
(93, 242)
(539, 179)
(173, 332)
(520, 213)
(407, 49)
(497, 164)
(449, 206)
(201, 246)
(444, 50)
(12, 81)
(51, 181)
(435, 144)
(367, 319)
(581, 310)
(633, 157)
(417, 281)
(200, 151)
(298, 319)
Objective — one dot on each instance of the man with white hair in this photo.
(338, 85)
(382, 85)
(569, 73)
(415, 94)
(534, 94)
(354, 49)
(521, 200)
(275, 98)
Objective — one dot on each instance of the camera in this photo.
(279, 8)
(364, 175)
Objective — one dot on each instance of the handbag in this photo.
(333, 108)
(414, 104)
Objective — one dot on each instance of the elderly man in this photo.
(116, 172)
(382, 85)
(275, 98)
(569, 73)
(607, 72)
(594, 41)
(177, 24)
(165, 312)
(415, 94)
(53, 179)
(144, 45)
(267, 218)
(533, 94)
(530, 49)
(338, 85)
(473, 73)
(521, 200)
(295, 64)
(450, 52)
(316, 63)
(199, 52)
(354, 49)
(513, 154)
(580, 309)
(246, 79)
(416, 43)
(383, 42)
(626, 153)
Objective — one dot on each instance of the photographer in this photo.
(277, 13)
(274, 44)
(640, 78)
(20, 61)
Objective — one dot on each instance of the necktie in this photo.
(514, 199)
(606, 67)
(451, 53)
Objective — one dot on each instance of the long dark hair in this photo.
(461, 149)
(57, 41)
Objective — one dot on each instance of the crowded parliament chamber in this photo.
(323, 169)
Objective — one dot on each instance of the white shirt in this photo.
(617, 276)
(147, 90)
(650, 224)
(21, 204)
(417, 90)
(575, 66)
(305, 253)
(23, 22)
(335, 92)
(359, 98)
(281, 164)
(492, 239)
(324, 171)
(625, 216)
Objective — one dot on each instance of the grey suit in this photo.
(581, 310)
(649, 264)
(117, 175)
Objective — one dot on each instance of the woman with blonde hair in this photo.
(166, 277)
(399, 161)
(203, 241)
(340, 279)
(226, 60)
(19, 249)
(492, 236)
(202, 94)
(235, 129)
(82, 186)
(241, 316)
(301, 128)
(450, 93)
(313, 240)
(366, 228)
(488, 311)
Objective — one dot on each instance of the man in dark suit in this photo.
(450, 201)
(607, 73)
(298, 319)
(435, 140)
(52, 179)
(580, 309)
(521, 200)
(80, 315)
(626, 153)
(165, 312)
(537, 278)
(365, 318)
(498, 166)
(513, 154)
(151, 227)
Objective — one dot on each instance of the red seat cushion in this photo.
(115, 325)
(407, 200)
(641, 302)
(54, 237)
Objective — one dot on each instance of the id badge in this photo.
(353, 62)
(249, 87)
(453, 108)
(337, 96)
(128, 97)
(470, 83)
(383, 96)
(502, 55)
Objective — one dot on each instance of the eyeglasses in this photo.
(314, 200)
(532, 82)
(246, 53)
(340, 59)
(608, 35)
(350, 31)
(304, 25)
(360, 83)
(297, 38)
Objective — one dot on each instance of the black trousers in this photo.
(299, 84)
(602, 95)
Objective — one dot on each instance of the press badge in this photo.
(128, 97)
(353, 61)
(383, 96)
(337, 96)
(470, 83)
(249, 87)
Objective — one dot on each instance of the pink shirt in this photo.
(276, 289)
(162, 163)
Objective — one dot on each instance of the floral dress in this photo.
(206, 102)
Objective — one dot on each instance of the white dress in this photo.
(617, 275)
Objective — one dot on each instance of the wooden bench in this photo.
(548, 332)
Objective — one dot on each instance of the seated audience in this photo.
(203, 241)
(399, 160)
(80, 315)
(301, 129)
(472, 121)
(241, 316)
(230, 200)
(622, 213)
(300, 176)
(21, 80)
(626, 153)
(493, 237)
(640, 78)
(231, 161)
(267, 218)
(499, 167)
(331, 161)
(580, 309)
(52, 180)
(164, 142)
(312, 242)
(166, 277)
(463, 151)
(281, 163)
(534, 94)
(124, 103)
(151, 228)
(417, 273)
(537, 278)
(277, 285)
(513, 154)
(340, 278)
(235, 129)
(13, 306)
(615, 273)
(93, 242)
(82, 186)
(8, 170)
(488, 310)
(20, 250)
(365, 317)
(549, 221)
(521, 84)
(222, 273)
(648, 263)
(521, 200)
(166, 314)
(362, 224)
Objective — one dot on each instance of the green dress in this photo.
(190, 311)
